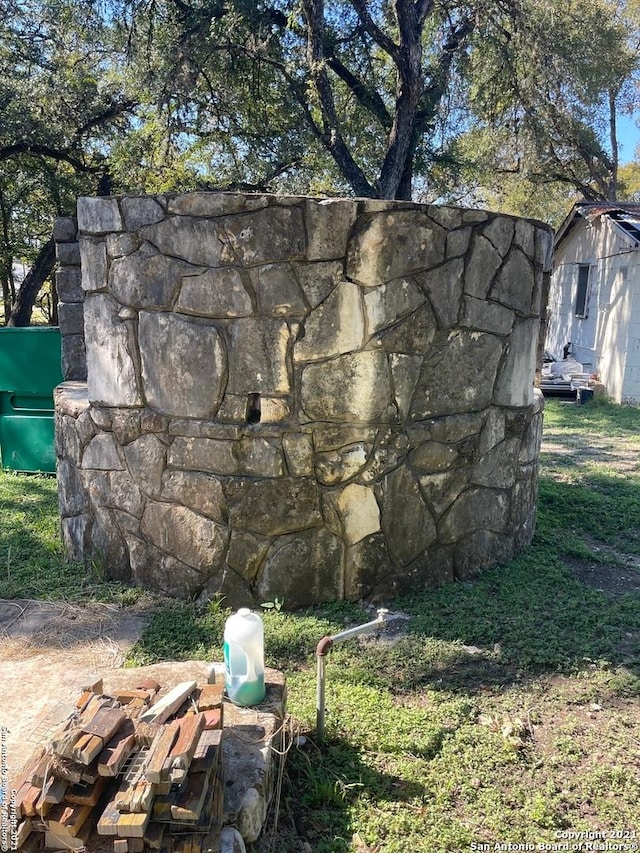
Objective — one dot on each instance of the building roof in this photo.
(625, 216)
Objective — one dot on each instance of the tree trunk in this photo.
(30, 287)
(613, 135)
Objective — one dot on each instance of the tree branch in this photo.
(35, 149)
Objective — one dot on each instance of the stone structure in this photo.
(300, 398)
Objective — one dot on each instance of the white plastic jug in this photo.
(244, 658)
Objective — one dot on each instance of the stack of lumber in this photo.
(137, 767)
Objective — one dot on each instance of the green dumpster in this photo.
(29, 371)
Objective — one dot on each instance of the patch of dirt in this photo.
(605, 577)
(47, 651)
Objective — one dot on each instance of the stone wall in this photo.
(300, 398)
(71, 299)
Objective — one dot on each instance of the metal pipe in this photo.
(323, 649)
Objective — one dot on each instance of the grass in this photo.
(509, 713)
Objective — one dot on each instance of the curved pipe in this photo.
(322, 650)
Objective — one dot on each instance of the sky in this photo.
(629, 137)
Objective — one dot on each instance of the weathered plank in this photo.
(163, 708)
(159, 751)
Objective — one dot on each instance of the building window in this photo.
(582, 296)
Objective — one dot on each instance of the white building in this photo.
(594, 300)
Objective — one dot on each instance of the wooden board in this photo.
(190, 803)
(163, 708)
(132, 825)
(207, 754)
(66, 817)
(191, 728)
(54, 790)
(117, 750)
(105, 723)
(210, 696)
(159, 751)
(86, 795)
(108, 820)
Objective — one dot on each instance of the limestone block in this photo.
(458, 242)
(499, 231)
(146, 279)
(67, 440)
(119, 245)
(470, 217)
(277, 291)
(257, 457)
(124, 423)
(94, 263)
(497, 468)
(214, 203)
(391, 244)
(214, 293)
(413, 335)
(102, 454)
(389, 452)
(450, 428)
(274, 507)
(433, 456)
(151, 569)
(233, 408)
(96, 485)
(476, 509)
(298, 451)
(253, 813)
(246, 553)
(514, 385)
(70, 398)
(337, 466)
(69, 284)
(268, 235)
(335, 327)
(65, 229)
(544, 249)
(73, 357)
(387, 304)
(484, 262)
(124, 493)
(444, 286)
(328, 225)
(493, 431)
(145, 458)
(71, 318)
(197, 491)
(440, 490)
(487, 316)
(523, 503)
(405, 372)
(514, 283)
(107, 547)
(67, 254)
(406, 521)
(72, 498)
(530, 447)
(257, 357)
(74, 536)
(350, 387)
(459, 375)
(111, 375)
(198, 241)
(98, 215)
(203, 454)
(85, 427)
(525, 237)
(478, 551)
(139, 211)
(448, 217)
(367, 572)
(274, 410)
(318, 279)
(303, 568)
(357, 510)
(250, 456)
(335, 436)
(183, 365)
(197, 541)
